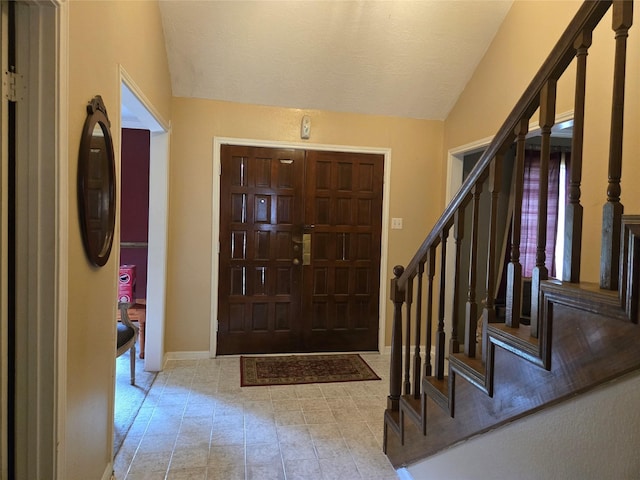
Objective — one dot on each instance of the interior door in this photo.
(299, 263)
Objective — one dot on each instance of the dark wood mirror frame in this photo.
(97, 184)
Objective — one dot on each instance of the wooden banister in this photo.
(587, 17)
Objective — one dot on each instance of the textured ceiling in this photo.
(401, 58)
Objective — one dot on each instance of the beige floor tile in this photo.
(187, 474)
(271, 471)
(286, 404)
(197, 423)
(297, 451)
(256, 393)
(281, 392)
(189, 456)
(149, 462)
(227, 436)
(333, 390)
(326, 431)
(293, 433)
(290, 418)
(308, 391)
(227, 455)
(339, 469)
(229, 472)
(302, 469)
(319, 416)
(331, 448)
(261, 434)
(309, 404)
(148, 475)
(156, 443)
(263, 453)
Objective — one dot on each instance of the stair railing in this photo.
(408, 292)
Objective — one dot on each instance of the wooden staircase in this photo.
(490, 368)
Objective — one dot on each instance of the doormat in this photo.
(299, 369)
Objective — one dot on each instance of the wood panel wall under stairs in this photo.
(591, 344)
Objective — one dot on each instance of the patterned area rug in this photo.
(298, 369)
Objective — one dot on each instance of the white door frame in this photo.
(215, 230)
(148, 118)
(41, 238)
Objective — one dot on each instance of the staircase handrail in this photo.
(586, 19)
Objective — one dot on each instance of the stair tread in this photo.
(475, 364)
(522, 333)
(440, 386)
(411, 401)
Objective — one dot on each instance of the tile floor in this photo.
(198, 423)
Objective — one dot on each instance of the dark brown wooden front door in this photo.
(299, 250)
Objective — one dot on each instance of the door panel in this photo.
(299, 250)
(260, 214)
(341, 284)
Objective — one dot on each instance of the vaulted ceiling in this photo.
(401, 58)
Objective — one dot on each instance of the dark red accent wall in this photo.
(134, 212)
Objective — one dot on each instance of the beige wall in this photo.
(417, 187)
(581, 438)
(522, 43)
(102, 35)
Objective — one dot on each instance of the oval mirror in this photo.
(97, 184)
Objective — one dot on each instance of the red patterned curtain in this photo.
(531, 193)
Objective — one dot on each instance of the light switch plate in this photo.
(396, 223)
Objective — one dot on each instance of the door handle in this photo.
(306, 249)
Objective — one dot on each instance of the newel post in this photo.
(395, 374)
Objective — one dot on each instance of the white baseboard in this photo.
(108, 472)
(199, 355)
(423, 348)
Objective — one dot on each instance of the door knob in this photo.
(296, 261)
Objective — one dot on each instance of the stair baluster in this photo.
(458, 235)
(417, 362)
(489, 310)
(431, 271)
(540, 271)
(574, 211)
(407, 348)
(440, 335)
(514, 269)
(613, 209)
(471, 313)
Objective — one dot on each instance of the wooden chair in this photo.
(127, 334)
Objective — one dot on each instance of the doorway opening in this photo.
(137, 113)
(144, 246)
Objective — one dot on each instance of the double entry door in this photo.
(299, 262)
